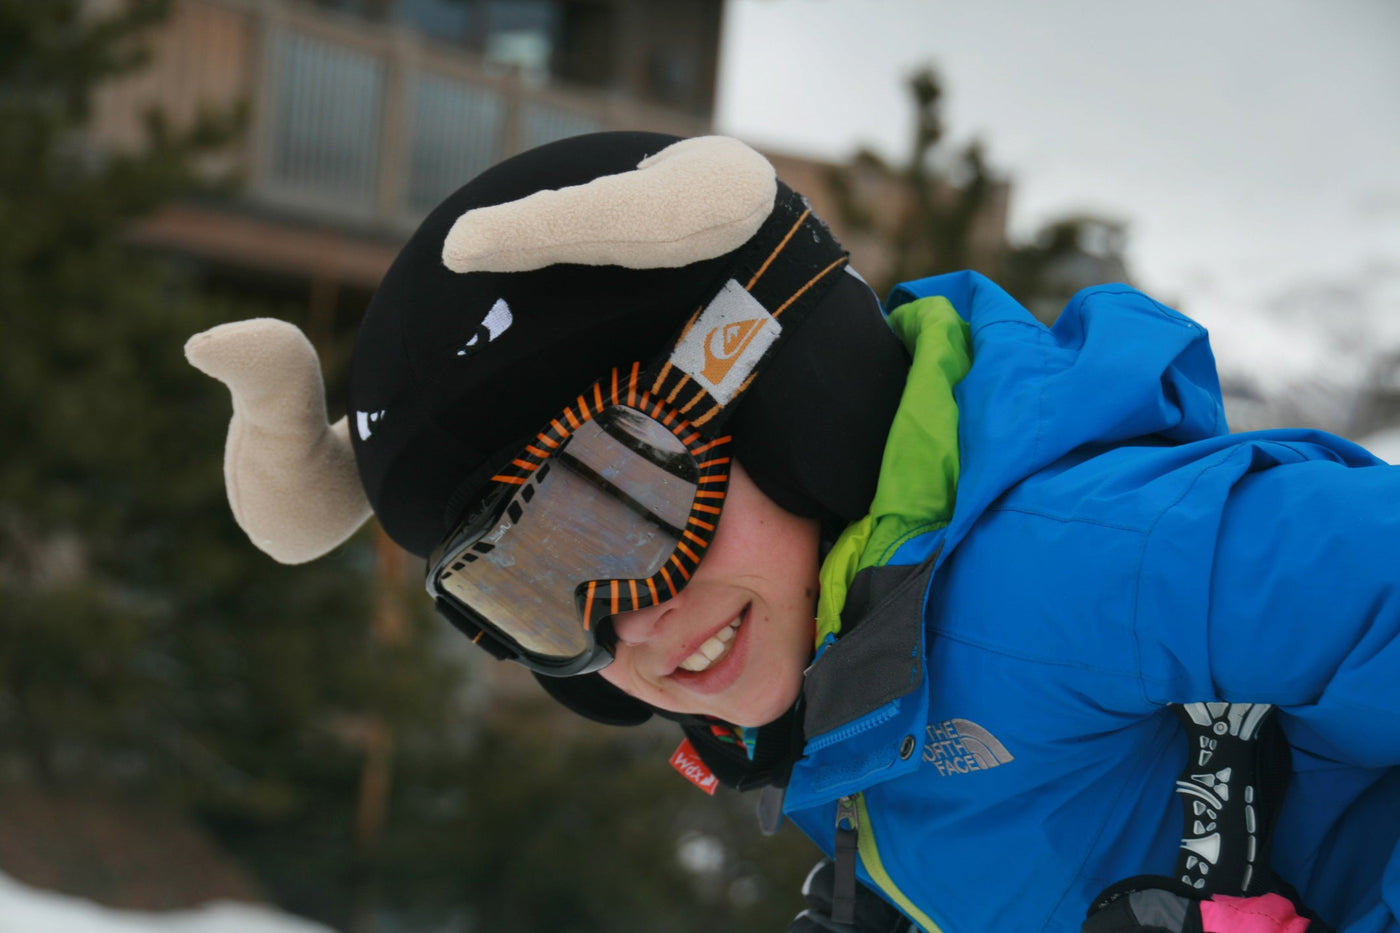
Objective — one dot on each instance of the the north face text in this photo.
(960, 746)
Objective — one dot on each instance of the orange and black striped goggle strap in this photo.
(598, 599)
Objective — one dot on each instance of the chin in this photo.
(777, 699)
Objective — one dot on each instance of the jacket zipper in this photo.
(851, 846)
(878, 718)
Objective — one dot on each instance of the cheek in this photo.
(619, 672)
(794, 634)
(622, 674)
(779, 681)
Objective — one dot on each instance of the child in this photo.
(937, 576)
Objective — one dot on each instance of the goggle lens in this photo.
(612, 502)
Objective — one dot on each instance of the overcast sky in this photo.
(1251, 144)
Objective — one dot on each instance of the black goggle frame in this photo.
(595, 600)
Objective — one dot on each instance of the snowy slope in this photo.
(26, 910)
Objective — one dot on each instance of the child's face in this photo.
(761, 572)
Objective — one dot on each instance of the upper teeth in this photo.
(713, 649)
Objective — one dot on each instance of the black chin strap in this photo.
(594, 698)
(777, 746)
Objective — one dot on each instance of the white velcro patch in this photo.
(726, 343)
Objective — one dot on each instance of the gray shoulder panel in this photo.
(878, 658)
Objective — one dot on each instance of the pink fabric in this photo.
(1268, 914)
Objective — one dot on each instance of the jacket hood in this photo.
(1036, 393)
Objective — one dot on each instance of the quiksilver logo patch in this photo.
(959, 746)
(726, 342)
(723, 345)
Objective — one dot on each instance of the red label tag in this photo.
(688, 763)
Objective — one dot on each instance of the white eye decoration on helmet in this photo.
(366, 421)
(497, 320)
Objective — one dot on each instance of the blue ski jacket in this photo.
(992, 717)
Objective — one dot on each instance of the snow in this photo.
(27, 910)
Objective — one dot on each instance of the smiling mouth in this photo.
(714, 648)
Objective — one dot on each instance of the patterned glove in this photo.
(1160, 905)
(873, 915)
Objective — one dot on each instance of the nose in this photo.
(638, 626)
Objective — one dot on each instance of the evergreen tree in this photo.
(90, 405)
(1064, 256)
(551, 823)
(944, 195)
(146, 646)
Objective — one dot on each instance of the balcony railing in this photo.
(351, 123)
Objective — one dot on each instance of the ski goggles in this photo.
(608, 509)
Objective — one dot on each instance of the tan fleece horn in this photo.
(290, 474)
(696, 199)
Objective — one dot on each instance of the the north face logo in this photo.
(957, 746)
(723, 346)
